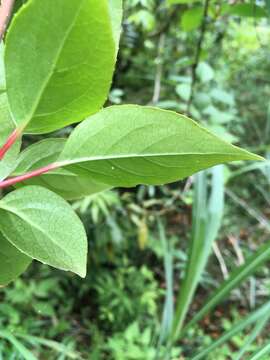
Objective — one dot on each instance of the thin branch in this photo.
(158, 77)
(198, 54)
(5, 14)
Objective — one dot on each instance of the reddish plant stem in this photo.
(5, 14)
(29, 175)
(10, 141)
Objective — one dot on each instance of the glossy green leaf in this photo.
(60, 70)
(63, 182)
(130, 145)
(12, 261)
(237, 276)
(44, 227)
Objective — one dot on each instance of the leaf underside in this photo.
(129, 145)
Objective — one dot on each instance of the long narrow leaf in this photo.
(168, 311)
(51, 344)
(265, 350)
(206, 220)
(253, 335)
(239, 326)
(236, 277)
(22, 350)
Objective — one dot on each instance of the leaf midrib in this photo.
(128, 156)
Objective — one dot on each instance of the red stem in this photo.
(29, 175)
(10, 141)
(5, 14)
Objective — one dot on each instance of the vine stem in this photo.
(29, 175)
(5, 14)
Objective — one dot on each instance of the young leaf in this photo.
(130, 145)
(12, 261)
(71, 48)
(44, 227)
(63, 182)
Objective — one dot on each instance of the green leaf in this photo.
(39, 155)
(21, 349)
(192, 18)
(237, 276)
(44, 227)
(184, 91)
(245, 10)
(205, 72)
(46, 152)
(71, 48)
(12, 261)
(175, 2)
(130, 145)
(116, 11)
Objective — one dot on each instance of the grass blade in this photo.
(51, 344)
(236, 277)
(239, 326)
(22, 350)
(206, 220)
(265, 350)
(256, 331)
(168, 311)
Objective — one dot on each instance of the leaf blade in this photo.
(129, 145)
(44, 227)
(45, 152)
(12, 261)
(73, 69)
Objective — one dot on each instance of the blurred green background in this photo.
(157, 255)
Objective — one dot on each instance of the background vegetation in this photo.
(158, 255)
